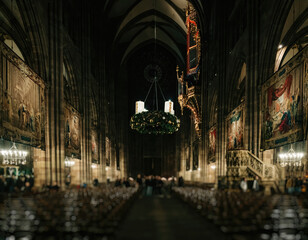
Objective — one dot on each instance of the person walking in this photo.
(255, 184)
(243, 185)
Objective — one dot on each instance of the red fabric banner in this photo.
(274, 94)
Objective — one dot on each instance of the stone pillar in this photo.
(40, 167)
(220, 76)
(86, 159)
(252, 120)
(55, 98)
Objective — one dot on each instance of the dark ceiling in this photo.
(133, 24)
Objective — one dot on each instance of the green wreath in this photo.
(155, 122)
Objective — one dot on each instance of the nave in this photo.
(165, 218)
(122, 213)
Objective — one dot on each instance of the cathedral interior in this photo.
(153, 119)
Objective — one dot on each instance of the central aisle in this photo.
(165, 219)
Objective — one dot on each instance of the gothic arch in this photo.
(70, 84)
(236, 89)
(11, 29)
(280, 13)
(36, 36)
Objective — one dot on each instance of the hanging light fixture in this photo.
(13, 156)
(155, 122)
(291, 158)
(69, 162)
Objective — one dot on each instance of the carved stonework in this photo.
(242, 163)
(189, 94)
(190, 98)
(268, 172)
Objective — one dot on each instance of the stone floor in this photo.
(165, 219)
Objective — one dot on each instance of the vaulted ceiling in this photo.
(135, 23)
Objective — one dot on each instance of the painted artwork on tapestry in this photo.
(22, 101)
(72, 132)
(108, 151)
(195, 155)
(187, 155)
(283, 107)
(235, 123)
(212, 143)
(94, 149)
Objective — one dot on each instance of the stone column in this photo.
(86, 79)
(220, 76)
(55, 97)
(252, 120)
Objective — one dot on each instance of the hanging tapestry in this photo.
(72, 132)
(235, 125)
(94, 149)
(187, 155)
(22, 101)
(212, 143)
(282, 105)
(108, 152)
(196, 155)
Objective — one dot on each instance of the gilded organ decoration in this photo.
(22, 100)
(235, 125)
(193, 41)
(72, 132)
(282, 104)
(189, 92)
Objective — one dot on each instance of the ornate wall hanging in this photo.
(282, 104)
(195, 154)
(22, 101)
(212, 143)
(72, 132)
(108, 152)
(94, 146)
(235, 125)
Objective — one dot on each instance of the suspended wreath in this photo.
(155, 122)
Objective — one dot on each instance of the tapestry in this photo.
(187, 156)
(22, 101)
(282, 105)
(235, 125)
(195, 155)
(72, 132)
(108, 152)
(212, 143)
(94, 149)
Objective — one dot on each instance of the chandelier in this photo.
(155, 122)
(69, 162)
(291, 158)
(13, 156)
